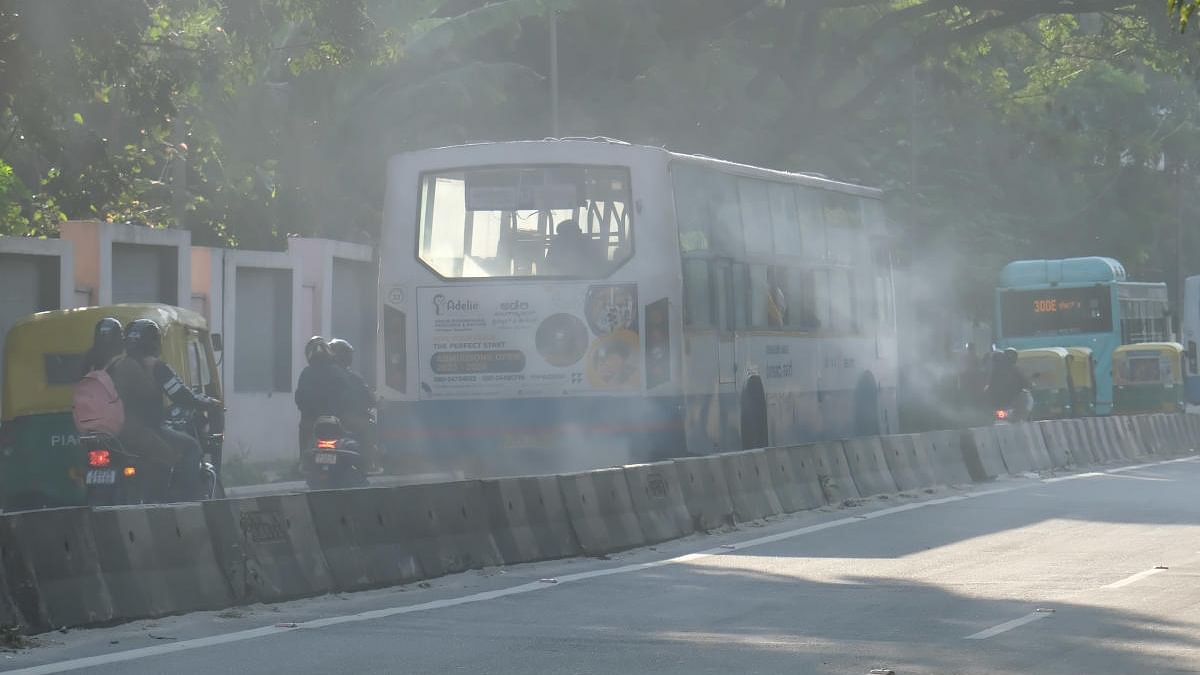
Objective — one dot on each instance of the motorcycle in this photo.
(1013, 414)
(116, 476)
(335, 460)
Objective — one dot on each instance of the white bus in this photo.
(565, 304)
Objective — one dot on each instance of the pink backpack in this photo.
(97, 406)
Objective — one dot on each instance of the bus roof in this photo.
(808, 179)
(1094, 269)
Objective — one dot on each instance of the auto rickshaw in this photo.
(1050, 382)
(1081, 368)
(1148, 378)
(41, 463)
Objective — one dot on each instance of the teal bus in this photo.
(1079, 302)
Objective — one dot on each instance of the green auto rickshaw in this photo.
(41, 464)
(1081, 368)
(1148, 378)
(1050, 382)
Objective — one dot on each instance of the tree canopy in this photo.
(999, 128)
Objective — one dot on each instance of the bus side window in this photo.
(697, 289)
(757, 301)
(741, 296)
(1193, 367)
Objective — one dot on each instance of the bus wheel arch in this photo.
(866, 405)
(754, 429)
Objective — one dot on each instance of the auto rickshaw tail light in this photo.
(129, 472)
(99, 457)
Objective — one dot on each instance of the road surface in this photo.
(1090, 573)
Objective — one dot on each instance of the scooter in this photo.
(335, 460)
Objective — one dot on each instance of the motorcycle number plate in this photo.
(326, 458)
(101, 476)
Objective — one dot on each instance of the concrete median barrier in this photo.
(750, 488)
(1112, 433)
(53, 568)
(158, 560)
(1082, 444)
(1125, 439)
(267, 547)
(1017, 459)
(1100, 443)
(1162, 430)
(367, 537)
(1180, 433)
(705, 492)
(944, 449)
(658, 500)
(981, 452)
(1058, 448)
(528, 519)
(601, 511)
(10, 614)
(868, 466)
(833, 471)
(448, 526)
(1035, 445)
(795, 479)
(1148, 435)
(1192, 423)
(909, 464)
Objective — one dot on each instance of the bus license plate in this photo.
(326, 458)
(101, 476)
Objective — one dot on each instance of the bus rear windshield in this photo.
(1056, 311)
(522, 221)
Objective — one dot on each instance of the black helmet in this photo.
(143, 338)
(316, 345)
(343, 352)
(109, 331)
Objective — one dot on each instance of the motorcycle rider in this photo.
(108, 342)
(1008, 387)
(322, 390)
(359, 401)
(141, 378)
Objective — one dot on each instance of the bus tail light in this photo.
(395, 349)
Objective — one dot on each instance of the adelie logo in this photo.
(443, 305)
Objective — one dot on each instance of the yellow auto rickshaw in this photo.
(1148, 378)
(1081, 367)
(41, 463)
(1049, 379)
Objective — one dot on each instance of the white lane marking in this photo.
(1074, 476)
(266, 631)
(1007, 626)
(1134, 578)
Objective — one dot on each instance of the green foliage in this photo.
(1183, 10)
(999, 128)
